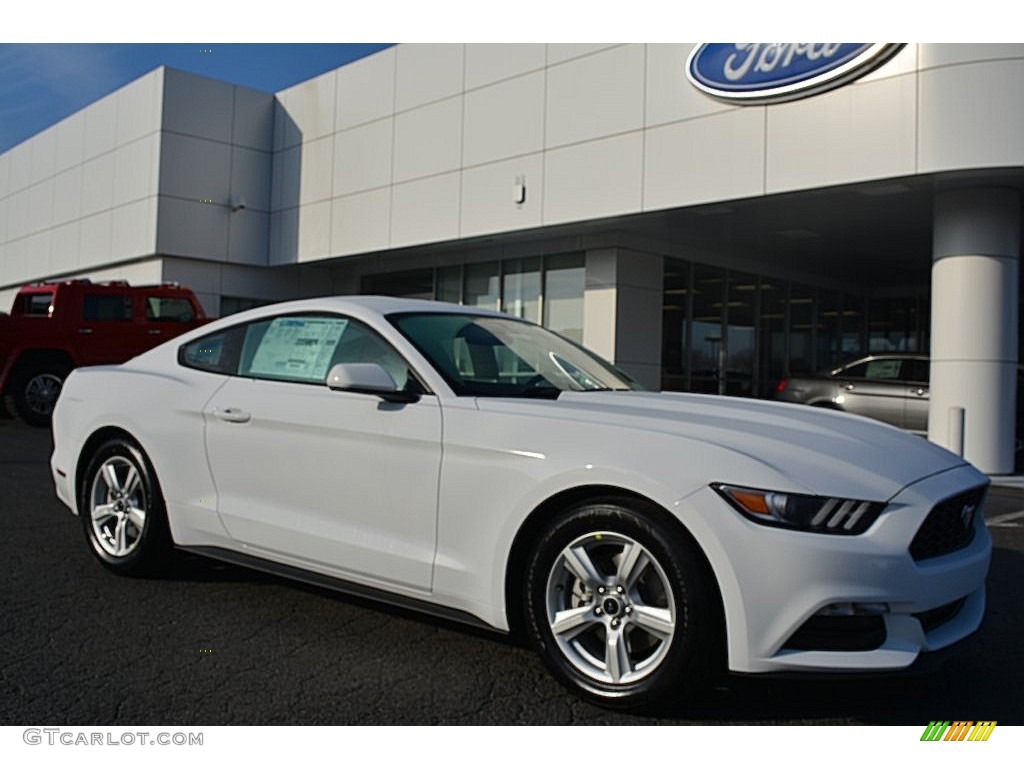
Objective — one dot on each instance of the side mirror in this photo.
(367, 379)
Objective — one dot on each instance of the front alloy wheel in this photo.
(122, 510)
(621, 606)
(610, 608)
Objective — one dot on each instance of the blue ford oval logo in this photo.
(765, 73)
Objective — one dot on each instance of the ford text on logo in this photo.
(766, 73)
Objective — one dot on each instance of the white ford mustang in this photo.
(479, 467)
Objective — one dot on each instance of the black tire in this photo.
(119, 484)
(674, 584)
(33, 392)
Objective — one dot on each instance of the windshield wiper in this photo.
(543, 393)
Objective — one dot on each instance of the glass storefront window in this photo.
(448, 284)
(740, 347)
(520, 294)
(674, 311)
(482, 285)
(705, 352)
(564, 284)
(414, 284)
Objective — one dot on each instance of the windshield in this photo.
(504, 357)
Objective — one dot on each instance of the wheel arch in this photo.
(533, 525)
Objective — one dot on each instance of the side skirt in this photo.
(340, 585)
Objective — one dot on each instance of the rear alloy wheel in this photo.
(122, 510)
(620, 607)
(34, 394)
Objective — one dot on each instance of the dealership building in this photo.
(706, 235)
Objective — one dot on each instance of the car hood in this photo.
(821, 451)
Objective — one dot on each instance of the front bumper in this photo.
(774, 581)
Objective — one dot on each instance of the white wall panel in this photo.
(504, 120)
(133, 232)
(361, 223)
(310, 105)
(287, 173)
(427, 72)
(314, 231)
(362, 157)
(5, 175)
(70, 149)
(191, 228)
(599, 178)
(863, 131)
(316, 172)
(96, 233)
(100, 126)
(253, 122)
(197, 106)
(366, 90)
(669, 95)
(43, 148)
(488, 203)
(489, 62)
(428, 140)
(140, 107)
(710, 158)
(98, 184)
(135, 170)
(40, 206)
(284, 236)
(903, 63)
(248, 236)
(64, 248)
(19, 208)
(21, 167)
(425, 210)
(558, 52)
(37, 255)
(968, 120)
(67, 196)
(195, 168)
(250, 178)
(596, 96)
(943, 54)
(14, 264)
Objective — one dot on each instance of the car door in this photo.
(915, 374)
(105, 334)
(874, 389)
(338, 482)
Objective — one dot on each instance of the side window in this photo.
(884, 369)
(916, 370)
(292, 348)
(107, 306)
(854, 372)
(360, 344)
(169, 309)
(215, 353)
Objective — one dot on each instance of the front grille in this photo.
(936, 617)
(838, 633)
(949, 526)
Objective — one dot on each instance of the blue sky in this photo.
(41, 84)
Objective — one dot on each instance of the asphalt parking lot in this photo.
(213, 644)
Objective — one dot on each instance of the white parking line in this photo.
(1009, 520)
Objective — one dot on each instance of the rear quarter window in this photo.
(215, 352)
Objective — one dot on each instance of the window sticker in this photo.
(298, 348)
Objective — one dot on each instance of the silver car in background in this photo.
(890, 388)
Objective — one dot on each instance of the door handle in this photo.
(919, 391)
(849, 387)
(233, 415)
(85, 330)
(153, 331)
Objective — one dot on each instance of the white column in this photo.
(622, 311)
(975, 262)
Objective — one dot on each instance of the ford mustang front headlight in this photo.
(818, 514)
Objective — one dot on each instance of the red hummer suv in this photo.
(56, 326)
